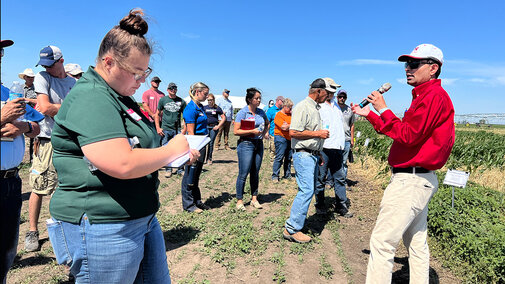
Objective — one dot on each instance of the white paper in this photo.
(195, 142)
(456, 178)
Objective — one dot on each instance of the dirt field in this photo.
(223, 245)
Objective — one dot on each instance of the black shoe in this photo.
(203, 206)
(344, 213)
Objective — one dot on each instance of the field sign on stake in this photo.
(456, 178)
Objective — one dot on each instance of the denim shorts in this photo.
(131, 251)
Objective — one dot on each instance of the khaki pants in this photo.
(43, 179)
(403, 215)
(226, 130)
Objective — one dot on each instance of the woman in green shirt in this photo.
(106, 154)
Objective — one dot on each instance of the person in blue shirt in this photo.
(12, 152)
(215, 121)
(195, 120)
(250, 145)
(271, 112)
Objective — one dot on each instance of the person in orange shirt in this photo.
(282, 141)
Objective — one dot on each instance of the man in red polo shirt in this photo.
(423, 140)
(151, 97)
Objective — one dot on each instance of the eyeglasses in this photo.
(137, 75)
(342, 97)
(416, 64)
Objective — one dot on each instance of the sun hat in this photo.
(73, 69)
(424, 51)
(49, 55)
(27, 72)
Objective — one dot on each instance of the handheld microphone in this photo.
(384, 88)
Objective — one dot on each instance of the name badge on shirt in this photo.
(133, 114)
(151, 98)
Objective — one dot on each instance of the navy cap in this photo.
(49, 55)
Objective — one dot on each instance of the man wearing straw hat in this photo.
(73, 70)
(30, 96)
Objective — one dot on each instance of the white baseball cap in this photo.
(333, 86)
(28, 72)
(73, 69)
(424, 51)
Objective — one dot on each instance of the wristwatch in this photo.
(30, 128)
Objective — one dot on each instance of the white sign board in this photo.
(456, 178)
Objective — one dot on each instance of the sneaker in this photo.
(197, 210)
(275, 180)
(32, 241)
(321, 211)
(256, 205)
(298, 237)
(240, 206)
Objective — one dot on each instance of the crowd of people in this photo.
(97, 153)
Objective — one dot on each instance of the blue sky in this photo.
(280, 46)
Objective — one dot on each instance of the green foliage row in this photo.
(471, 149)
(472, 232)
(476, 149)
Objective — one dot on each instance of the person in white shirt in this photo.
(332, 155)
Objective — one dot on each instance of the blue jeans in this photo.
(169, 134)
(345, 155)
(250, 156)
(306, 172)
(191, 195)
(332, 161)
(10, 209)
(212, 136)
(121, 252)
(283, 155)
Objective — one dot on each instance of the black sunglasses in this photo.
(416, 64)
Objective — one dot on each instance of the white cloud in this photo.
(449, 81)
(402, 81)
(367, 62)
(484, 73)
(366, 81)
(190, 35)
(477, 80)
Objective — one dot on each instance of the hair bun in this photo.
(133, 23)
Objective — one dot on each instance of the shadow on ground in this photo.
(224, 162)
(219, 201)
(401, 276)
(179, 237)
